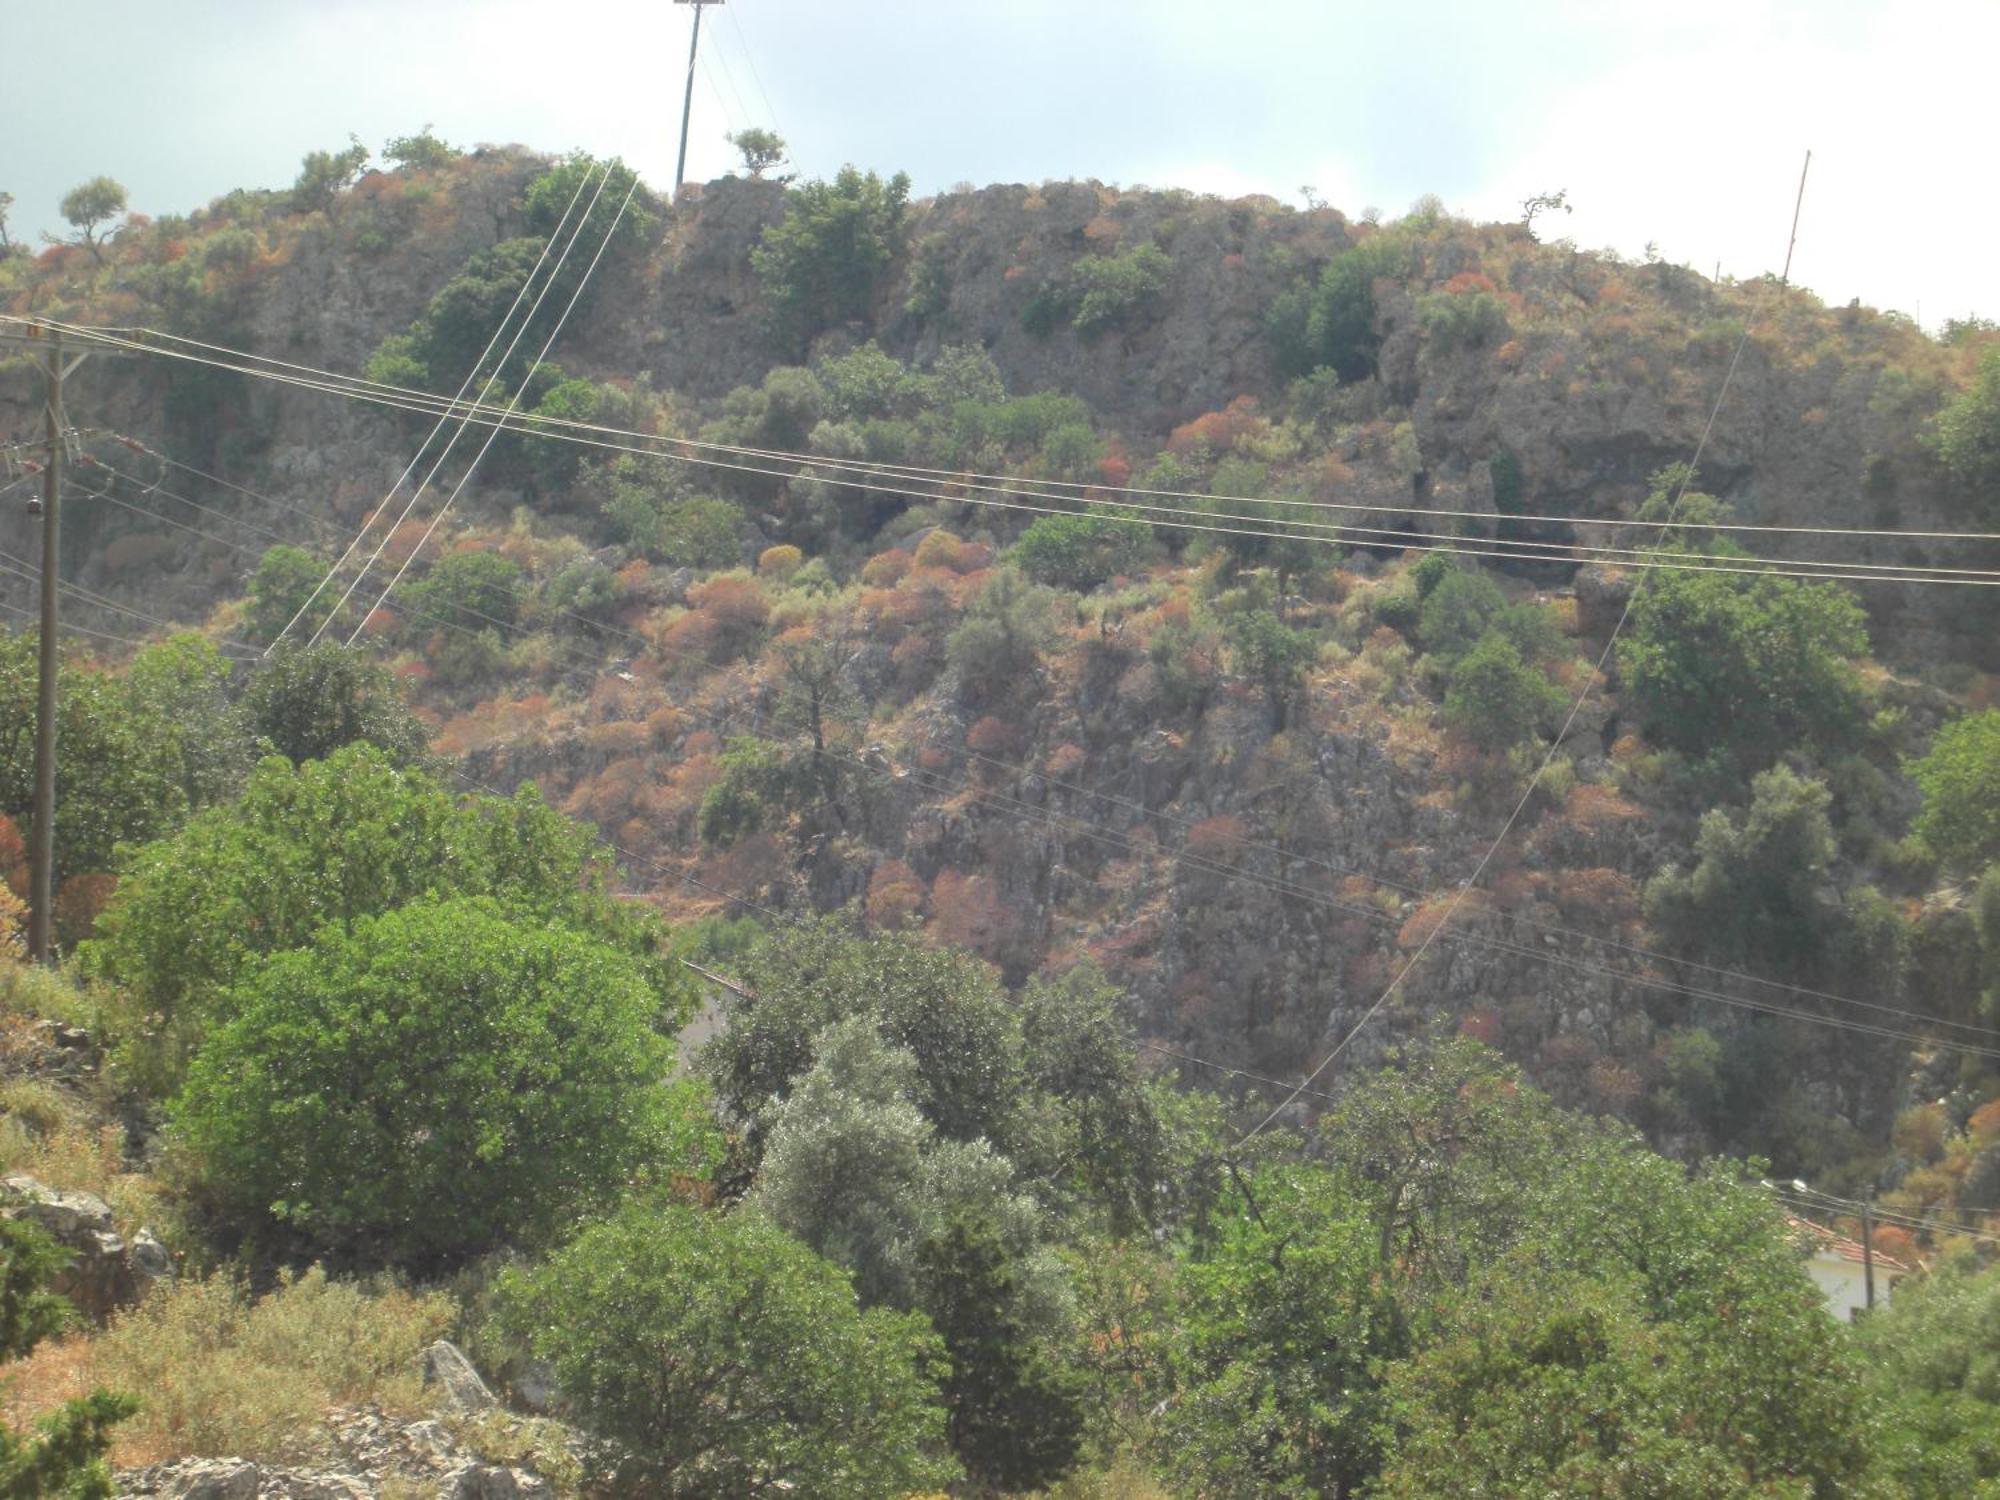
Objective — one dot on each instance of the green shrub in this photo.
(29, 1311)
(721, 1352)
(824, 262)
(440, 1080)
(1495, 699)
(1461, 320)
(1121, 290)
(1960, 780)
(310, 701)
(285, 578)
(1079, 552)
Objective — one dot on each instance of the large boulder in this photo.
(450, 1374)
(104, 1273)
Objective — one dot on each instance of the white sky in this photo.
(1682, 125)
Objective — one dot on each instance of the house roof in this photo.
(1838, 1247)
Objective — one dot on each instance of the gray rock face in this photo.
(448, 1372)
(104, 1273)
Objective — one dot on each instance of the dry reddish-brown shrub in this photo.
(13, 856)
(994, 736)
(885, 569)
(617, 737)
(1066, 759)
(1897, 1244)
(1984, 1124)
(940, 549)
(663, 723)
(1114, 469)
(895, 894)
(752, 867)
(612, 795)
(1481, 1024)
(1612, 1086)
(380, 622)
(1219, 431)
(1598, 894)
(1469, 281)
(135, 553)
(79, 901)
(967, 912)
(1218, 838)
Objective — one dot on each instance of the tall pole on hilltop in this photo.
(42, 833)
(687, 97)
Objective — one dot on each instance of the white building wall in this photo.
(1842, 1284)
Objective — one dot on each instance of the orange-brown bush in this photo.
(1219, 431)
(885, 569)
(1920, 1130)
(995, 736)
(135, 553)
(13, 856)
(1984, 1124)
(1066, 760)
(1597, 894)
(79, 901)
(1218, 838)
(967, 912)
(895, 895)
(779, 562)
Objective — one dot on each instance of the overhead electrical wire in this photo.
(1582, 697)
(417, 492)
(1128, 843)
(562, 320)
(464, 386)
(1074, 492)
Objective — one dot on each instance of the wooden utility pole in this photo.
(1868, 1252)
(56, 362)
(687, 97)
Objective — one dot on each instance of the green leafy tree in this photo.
(324, 175)
(1755, 893)
(1079, 552)
(430, 1084)
(329, 842)
(1333, 324)
(761, 149)
(1965, 436)
(475, 589)
(179, 690)
(946, 1007)
(89, 204)
(29, 1311)
(1272, 654)
(309, 701)
(1119, 291)
(1002, 635)
(853, 1168)
(757, 780)
(1496, 700)
(1555, 1384)
(824, 262)
(118, 782)
(1016, 1418)
(1462, 606)
(1933, 1360)
(727, 1358)
(1755, 663)
(422, 152)
(64, 1458)
(285, 579)
(1959, 777)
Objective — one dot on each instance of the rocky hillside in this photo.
(1252, 859)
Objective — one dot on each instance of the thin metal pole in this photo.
(687, 101)
(42, 836)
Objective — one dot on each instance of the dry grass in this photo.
(221, 1374)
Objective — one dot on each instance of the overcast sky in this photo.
(1683, 125)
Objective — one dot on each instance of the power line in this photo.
(1125, 843)
(547, 344)
(528, 318)
(553, 427)
(464, 386)
(1603, 660)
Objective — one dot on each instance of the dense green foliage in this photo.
(1934, 1359)
(726, 1356)
(29, 1311)
(309, 701)
(428, 1084)
(330, 842)
(1332, 323)
(823, 263)
(64, 1458)
(1495, 699)
(1966, 438)
(284, 582)
(1081, 551)
(1960, 780)
(1716, 660)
